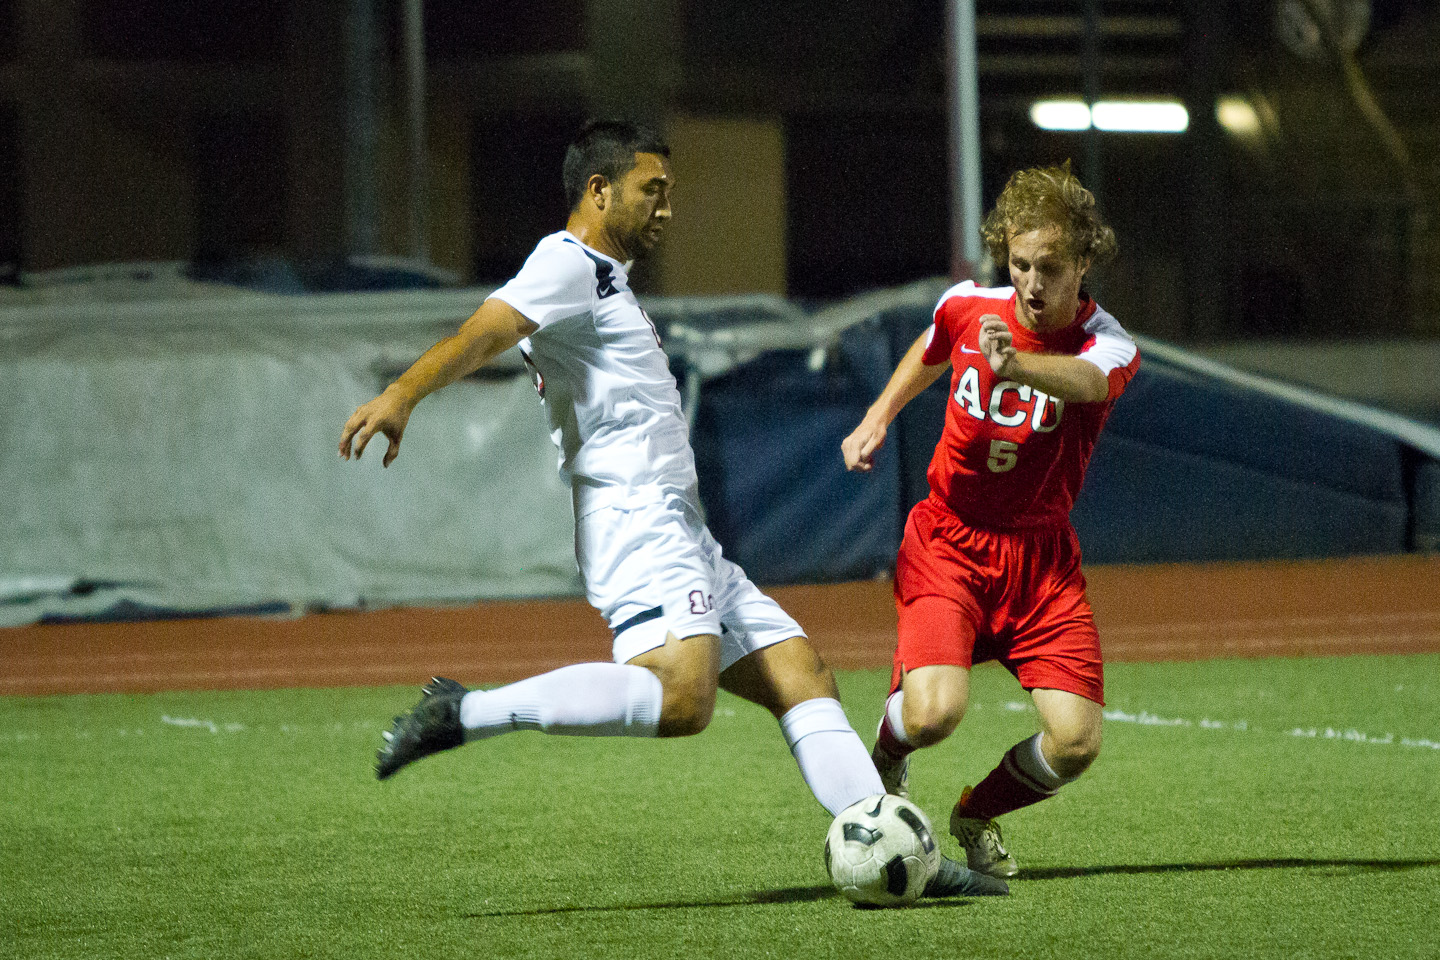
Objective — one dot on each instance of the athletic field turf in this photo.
(1285, 808)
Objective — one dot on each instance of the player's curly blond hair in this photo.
(1041, 197)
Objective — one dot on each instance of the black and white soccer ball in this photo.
(881, 851)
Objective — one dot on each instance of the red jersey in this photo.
(1012, 457)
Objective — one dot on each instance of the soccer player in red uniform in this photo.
(989, 568)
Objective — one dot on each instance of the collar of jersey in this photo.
(571, 238)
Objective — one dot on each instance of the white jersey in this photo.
(615, 412)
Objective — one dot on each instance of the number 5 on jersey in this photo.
(1003, 454)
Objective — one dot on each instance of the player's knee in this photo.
(686, 709)
(1074, 751)
(929, 723)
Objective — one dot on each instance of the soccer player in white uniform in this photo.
(685, 620)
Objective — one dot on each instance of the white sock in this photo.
(584, 700)
(891, 743)
(1034, 771)
(895, 715)
(832, 759)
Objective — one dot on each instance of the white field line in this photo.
(1143, 718)
(210, 725)
(1348, 734)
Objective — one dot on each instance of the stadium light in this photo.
(1112, 116)
(1060, 115)
(1135, 116)
(1238, 116)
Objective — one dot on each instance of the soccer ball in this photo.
(881, 851)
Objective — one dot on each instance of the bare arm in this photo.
(1067, 378)
(910, 379)
(490, 331)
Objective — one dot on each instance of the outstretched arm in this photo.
(910, 378)
(490, 331)
(1066, 378)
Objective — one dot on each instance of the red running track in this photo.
(1370, 605)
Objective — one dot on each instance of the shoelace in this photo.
(990, 836)
(987, 837)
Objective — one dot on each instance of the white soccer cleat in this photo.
(984, 846)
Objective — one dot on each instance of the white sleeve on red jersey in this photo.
(967, 288)
(939, 340)
(1110, 348)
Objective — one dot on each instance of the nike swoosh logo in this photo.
(965, 349)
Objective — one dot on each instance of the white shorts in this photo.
(654, 570)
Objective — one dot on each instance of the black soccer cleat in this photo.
(954, 879)
(431, 726)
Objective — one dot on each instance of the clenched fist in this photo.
(860, 447)
(995, 343)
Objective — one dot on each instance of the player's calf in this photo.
(1025, 776)
(685, 711)
(791, 681)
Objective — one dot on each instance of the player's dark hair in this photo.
(606, 147)
(1042, 197)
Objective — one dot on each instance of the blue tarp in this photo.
(1191, 467)
(776, 492)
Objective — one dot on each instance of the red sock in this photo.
(1008, 787)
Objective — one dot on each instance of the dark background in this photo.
(1309, 230)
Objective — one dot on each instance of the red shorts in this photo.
(966, 595)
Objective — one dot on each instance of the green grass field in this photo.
(1270, 808)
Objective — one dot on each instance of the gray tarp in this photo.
(182, 456)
